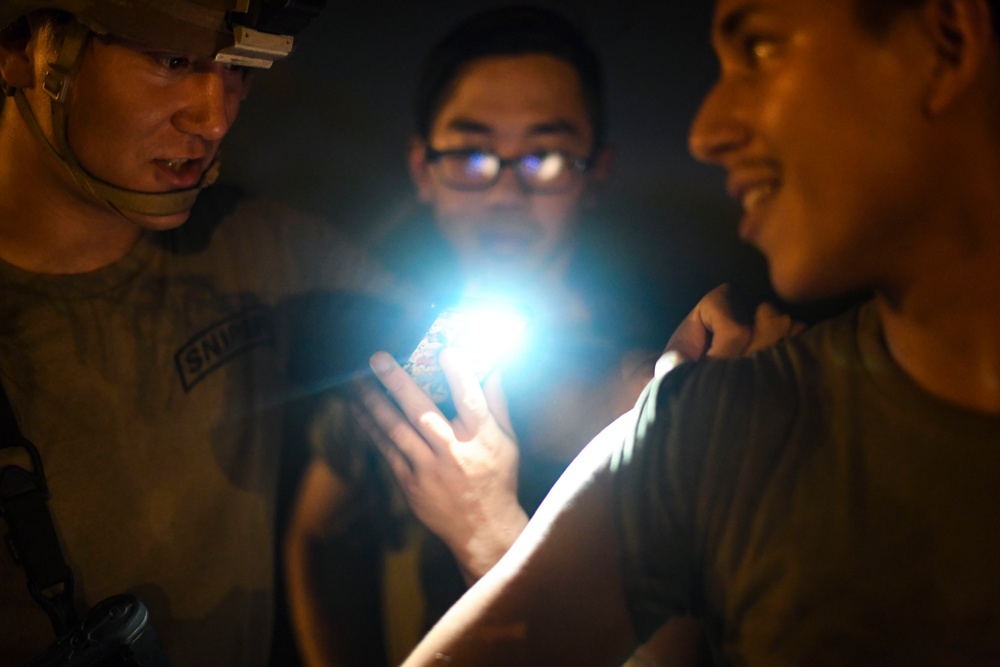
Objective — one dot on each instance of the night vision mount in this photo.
(264, 30)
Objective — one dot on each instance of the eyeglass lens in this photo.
(538, 171)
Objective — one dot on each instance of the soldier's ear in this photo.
(16, 54)
(961, 32)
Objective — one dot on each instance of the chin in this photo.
(158, 223)
(805, 285)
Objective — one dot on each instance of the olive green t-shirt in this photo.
(154, 389)
(815, 507)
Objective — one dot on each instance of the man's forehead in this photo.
(503, 127)
(530, 71)
(537, 91)
(731, 14)
(472, 125)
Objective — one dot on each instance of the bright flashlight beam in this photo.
(486, 334)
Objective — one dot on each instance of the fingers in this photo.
(713, 329)
(480, 408)
(730, 337)
(468, 396)
(398, 383)
(770, 326)
(693, 337)
(417, 406)
(401, 466)
(387, 426)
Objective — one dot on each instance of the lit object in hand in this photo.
(485, 332)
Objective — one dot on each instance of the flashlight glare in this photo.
(486, 334)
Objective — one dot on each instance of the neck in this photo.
(944, 329)
(47, 224)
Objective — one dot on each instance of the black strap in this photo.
(32, 536)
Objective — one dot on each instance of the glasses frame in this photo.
(577, 165)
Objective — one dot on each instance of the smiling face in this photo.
(510, 105)
(819, 125)
(146, 120)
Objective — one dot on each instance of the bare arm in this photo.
(556, 597)
(323, 496)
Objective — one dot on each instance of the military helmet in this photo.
(186, 26)
(245, 32)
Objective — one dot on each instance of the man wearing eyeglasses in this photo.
(510, 150)
(509, 154)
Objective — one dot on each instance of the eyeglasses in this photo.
(542, 172)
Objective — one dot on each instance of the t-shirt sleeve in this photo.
(657, 478)
(690, 476)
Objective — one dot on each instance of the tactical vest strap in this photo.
(31, 535)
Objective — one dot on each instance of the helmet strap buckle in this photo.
(54, 84)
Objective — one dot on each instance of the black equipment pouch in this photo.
(116, 632)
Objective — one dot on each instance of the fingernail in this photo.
(380, 362)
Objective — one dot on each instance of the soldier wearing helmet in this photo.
(211, 31)
(144, 333)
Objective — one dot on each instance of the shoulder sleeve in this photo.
(691, 476)
(676, 475)
(648, 513)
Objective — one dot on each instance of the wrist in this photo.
(489, 542)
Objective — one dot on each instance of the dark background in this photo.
(326, 130)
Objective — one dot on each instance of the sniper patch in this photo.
(222, 342)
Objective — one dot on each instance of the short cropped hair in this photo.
(878, 15)
(509, 31)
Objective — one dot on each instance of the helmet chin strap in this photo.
(129, 203)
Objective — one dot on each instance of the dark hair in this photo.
(877, 15)
(509, 31)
